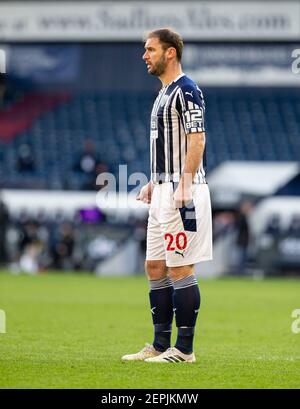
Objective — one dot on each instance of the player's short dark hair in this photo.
(168, 38)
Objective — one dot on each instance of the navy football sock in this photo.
(161, 301)
(186, 300)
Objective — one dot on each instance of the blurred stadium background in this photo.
(75, 102)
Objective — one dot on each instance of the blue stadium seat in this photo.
(241, 124)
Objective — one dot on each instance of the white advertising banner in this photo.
(128, 21)
(243, 64)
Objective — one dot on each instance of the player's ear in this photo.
(171, 52)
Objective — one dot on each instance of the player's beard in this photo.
(160, 67)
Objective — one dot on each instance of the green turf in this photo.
(69, 331)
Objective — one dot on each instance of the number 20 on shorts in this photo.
(176, 242)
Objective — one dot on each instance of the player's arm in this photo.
(195, 149)
(190, 109)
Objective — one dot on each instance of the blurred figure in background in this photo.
(29, 261)
(4, 224)
(87, 159)
(267, 245)
(89, 165)
(25, 159)
(30, 247)
(223, 222)
(100, 168)
(63, 247)
(240, 252)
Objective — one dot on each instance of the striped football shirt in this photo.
(177, 111)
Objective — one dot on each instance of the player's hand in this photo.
(145, 193)
(182, 196)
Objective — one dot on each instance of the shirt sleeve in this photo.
(191, 108)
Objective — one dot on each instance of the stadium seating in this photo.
(242, 124)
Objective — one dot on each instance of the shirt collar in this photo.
(176, 79)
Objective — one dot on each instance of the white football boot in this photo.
(173, 355)
(147, 352)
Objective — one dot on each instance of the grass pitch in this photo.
(70, 330)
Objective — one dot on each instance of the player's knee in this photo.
(177, 273)
(156, 269)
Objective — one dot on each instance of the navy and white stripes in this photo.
(177, 111)
(185, 282)
(178, 284)
(160, 284)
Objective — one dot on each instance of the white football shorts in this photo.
(179, 236)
